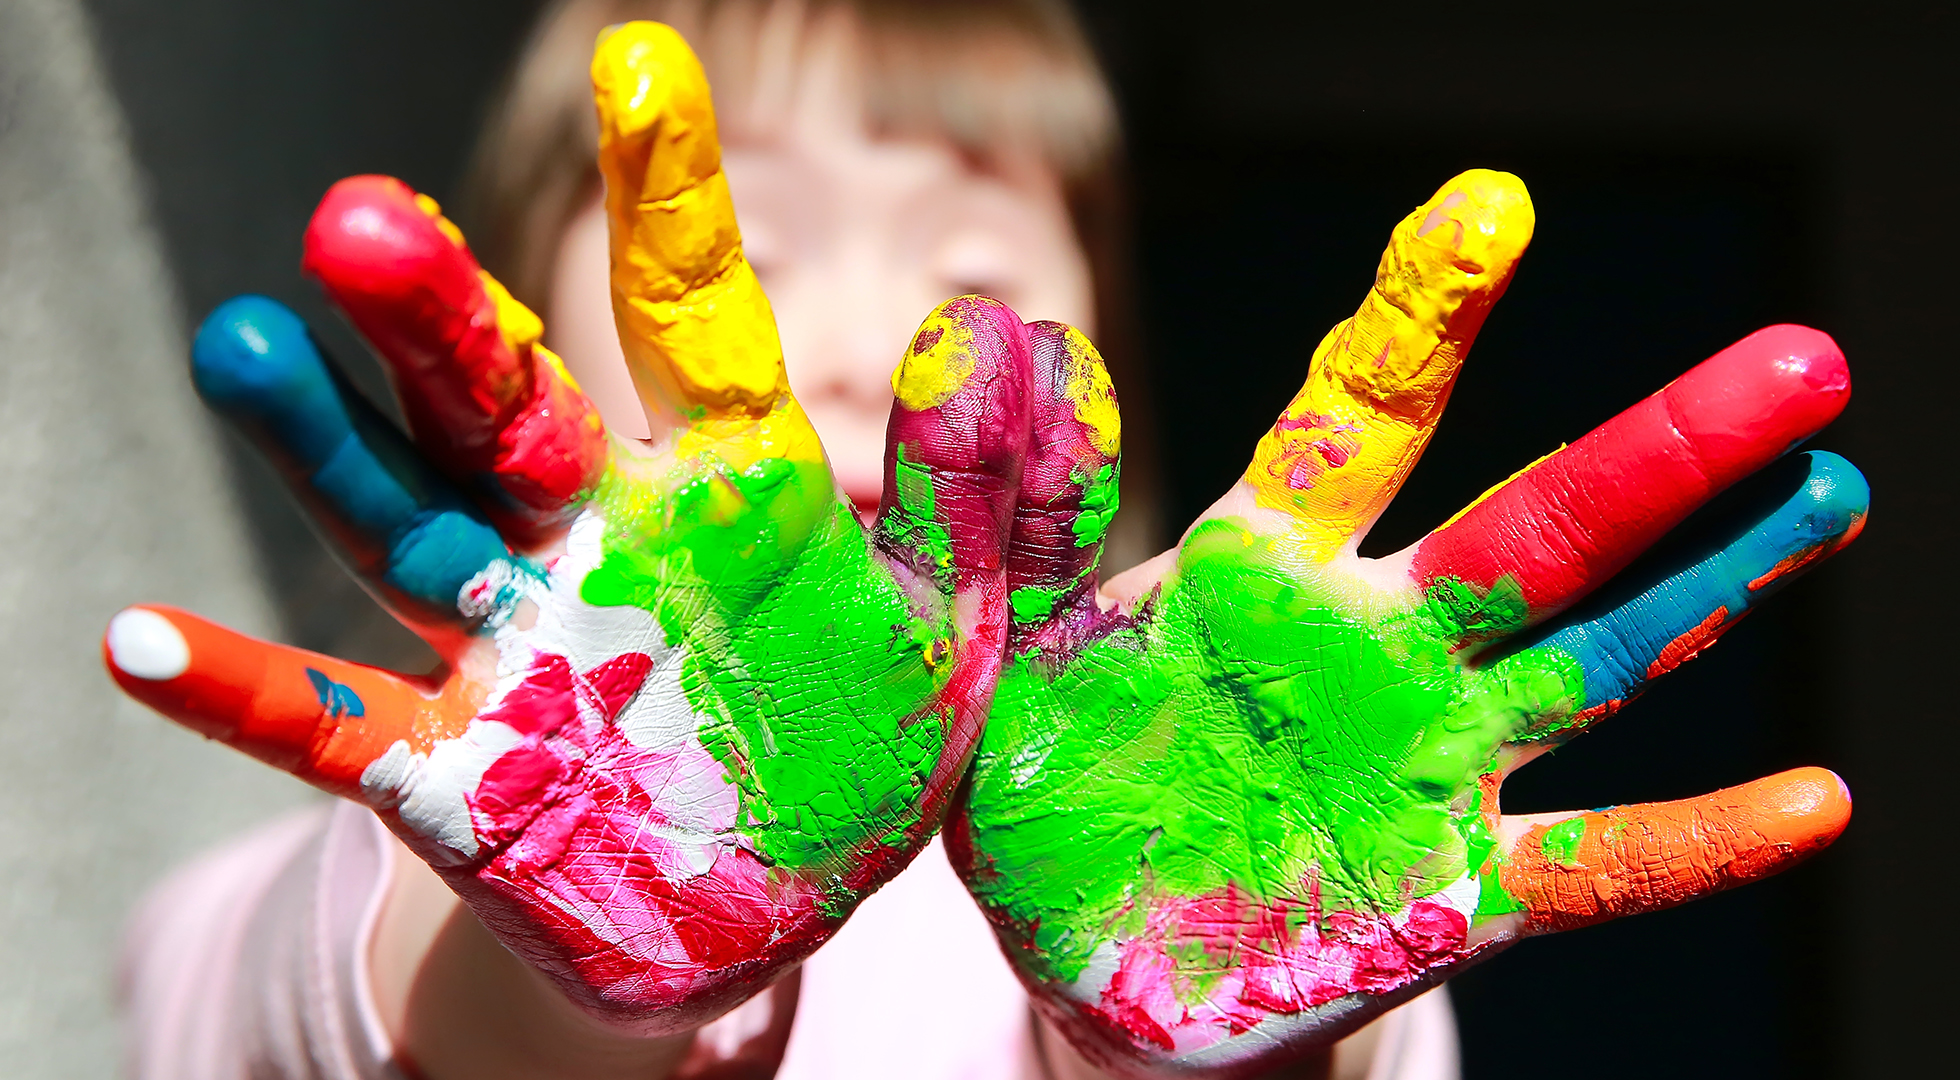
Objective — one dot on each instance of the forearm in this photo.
(458, 1004)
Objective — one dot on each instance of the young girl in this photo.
(883, 156)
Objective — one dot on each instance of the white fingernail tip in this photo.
(144, 644)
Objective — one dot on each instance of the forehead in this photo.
(981, 91)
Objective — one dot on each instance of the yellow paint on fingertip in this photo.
(444, 225)
(938, 363)
(656, 116)
(1086, 382)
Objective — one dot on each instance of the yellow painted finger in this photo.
(696, 328)
(1379, 380)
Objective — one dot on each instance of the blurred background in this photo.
(1699, 171)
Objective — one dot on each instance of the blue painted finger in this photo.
(1668, 624)
(412, 540)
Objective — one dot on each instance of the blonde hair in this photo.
(994, 78)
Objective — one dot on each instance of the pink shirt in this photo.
(251, 962)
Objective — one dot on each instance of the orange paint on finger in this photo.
(321, 719)
(1608, 863)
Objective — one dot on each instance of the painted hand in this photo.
(690, 713)
(1250, 799)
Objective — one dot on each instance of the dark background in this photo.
(1698, 172)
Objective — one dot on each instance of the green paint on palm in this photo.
(810, 663)
(1466, 614)
(1258, 725)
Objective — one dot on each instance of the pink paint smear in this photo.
(617, 861)
(1265, 959)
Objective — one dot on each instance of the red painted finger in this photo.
(321, 719)
(484, 401)
(1561, 527)
(1629, 859)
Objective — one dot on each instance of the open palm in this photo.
(690, 713)
(1249, 798)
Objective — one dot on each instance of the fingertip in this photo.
(643, 72)
(1805, 809)
(957, 438)
(247, 346)
(1807, 354)
(1836, 486)
(254, 360)
(375, 236)
(960, 343)
(1838, 497)
(1484, 215)
(142, 643)
(1072, 386)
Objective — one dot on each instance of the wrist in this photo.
(1350, 1059)
(456, 1003)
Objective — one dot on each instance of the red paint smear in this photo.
(1577, 518)
(1594, 712)
(1690, 644)
(1791, 564)
(585, 884)
(1276, 957)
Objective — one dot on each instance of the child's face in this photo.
(855, 238)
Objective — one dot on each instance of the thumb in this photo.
(953, 452)
(1067, 494)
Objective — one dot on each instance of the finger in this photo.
(954, 447)
(1068, 488)
(323, 720)
(1670, 623)
(494, 409)
(1559, 528)
(1600, 865)
(1379, 381)
(697, 330)
(411, 539)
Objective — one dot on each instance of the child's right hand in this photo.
(690, 713)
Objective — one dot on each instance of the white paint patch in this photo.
(385, 777)
(1275, 1029)
(144, 644)
(1096, 975)
(580, 632)
(659, 718)
(431, 791)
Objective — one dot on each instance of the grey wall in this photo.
(115, 492)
